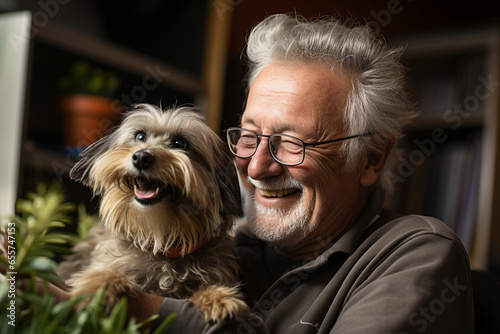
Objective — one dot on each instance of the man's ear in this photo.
(375, 162)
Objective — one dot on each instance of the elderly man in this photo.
(325, 111)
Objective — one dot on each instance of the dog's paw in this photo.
(219, 303)
(115, 283)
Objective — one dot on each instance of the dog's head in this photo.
(164, 177)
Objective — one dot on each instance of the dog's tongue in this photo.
(146, 190)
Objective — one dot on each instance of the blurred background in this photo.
(176, 32)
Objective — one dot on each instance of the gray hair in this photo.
(378, 102)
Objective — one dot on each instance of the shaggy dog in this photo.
(168, 192)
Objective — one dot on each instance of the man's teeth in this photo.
(277, 193)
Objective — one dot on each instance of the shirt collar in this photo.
(347, 243)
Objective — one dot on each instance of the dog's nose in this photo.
(143, 159)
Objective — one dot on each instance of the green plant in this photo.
(37, 235)
(85, 222)
(85, 78)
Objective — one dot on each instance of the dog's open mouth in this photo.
(147, 192)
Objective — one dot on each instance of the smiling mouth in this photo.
(148, 192)
(277, 193)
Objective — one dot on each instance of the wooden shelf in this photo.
(446, 80)
(56, 160)
(117, 56)
(431, 121)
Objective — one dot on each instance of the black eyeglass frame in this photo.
(304, 144)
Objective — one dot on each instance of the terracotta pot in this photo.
(86, 118)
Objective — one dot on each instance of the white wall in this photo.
(14, 50)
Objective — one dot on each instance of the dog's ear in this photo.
(229, 186)
(81, 170)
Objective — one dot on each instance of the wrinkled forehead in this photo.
(284, 96)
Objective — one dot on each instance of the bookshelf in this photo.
(451, 166)
(37, 55)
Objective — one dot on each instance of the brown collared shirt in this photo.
(400, 274)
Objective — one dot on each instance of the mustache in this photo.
(279, 183)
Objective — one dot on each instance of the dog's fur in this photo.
(175, 154)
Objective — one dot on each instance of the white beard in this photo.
(274, 225)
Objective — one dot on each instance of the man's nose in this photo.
(262, 164)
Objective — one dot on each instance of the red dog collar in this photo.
(175, 252)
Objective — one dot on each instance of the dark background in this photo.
(174, 31)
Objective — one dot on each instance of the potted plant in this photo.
(33, 237)
(86, 104)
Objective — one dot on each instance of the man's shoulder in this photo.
(419, 224)
(404, 228)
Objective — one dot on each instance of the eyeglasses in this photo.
(285, 149)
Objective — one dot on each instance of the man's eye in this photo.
(140, 136)
(248, 141)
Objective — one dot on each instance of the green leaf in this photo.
(48, 276)
(4, 289)
(39, 264)
(117, 317)
(55, 239)
(54, 224)
(165, 323)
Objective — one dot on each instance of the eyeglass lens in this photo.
(285, 149)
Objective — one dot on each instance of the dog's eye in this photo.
(140, 136)
(180, 143)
